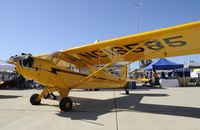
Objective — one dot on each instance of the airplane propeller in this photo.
(24, 59)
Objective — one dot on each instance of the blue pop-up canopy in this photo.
(163, 64)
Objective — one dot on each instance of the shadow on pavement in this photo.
(8, 96)
(90, 109)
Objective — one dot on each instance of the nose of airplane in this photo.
(16, 58)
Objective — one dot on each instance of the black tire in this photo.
(33, 100)
(65, 104)
(127, 92)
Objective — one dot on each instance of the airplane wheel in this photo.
(127, 92)
(33, 99)
(65, 104)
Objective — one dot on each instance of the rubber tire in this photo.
(33, 100)
(127, 92)
(65, 104)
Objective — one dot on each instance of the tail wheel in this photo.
(127, 91)
(65, 104)
(34, 100)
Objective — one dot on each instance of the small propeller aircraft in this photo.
(89, 66)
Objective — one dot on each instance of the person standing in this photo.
(155, 78)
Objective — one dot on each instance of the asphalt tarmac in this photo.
(143, 109)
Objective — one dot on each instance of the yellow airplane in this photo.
(77, 68)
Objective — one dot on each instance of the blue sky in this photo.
(43, 26)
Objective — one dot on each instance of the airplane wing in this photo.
(172, 41)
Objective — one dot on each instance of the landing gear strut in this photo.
(65, 104)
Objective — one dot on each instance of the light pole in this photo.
(136, 5)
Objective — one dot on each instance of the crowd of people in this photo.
(152, 76)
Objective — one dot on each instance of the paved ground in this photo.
(143, 109)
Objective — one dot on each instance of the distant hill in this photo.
(5, 66)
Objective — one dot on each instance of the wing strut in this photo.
(105, 66)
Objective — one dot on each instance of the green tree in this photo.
(144, 63)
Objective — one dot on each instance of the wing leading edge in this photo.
(173, 41)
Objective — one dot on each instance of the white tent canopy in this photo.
(192, 64)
